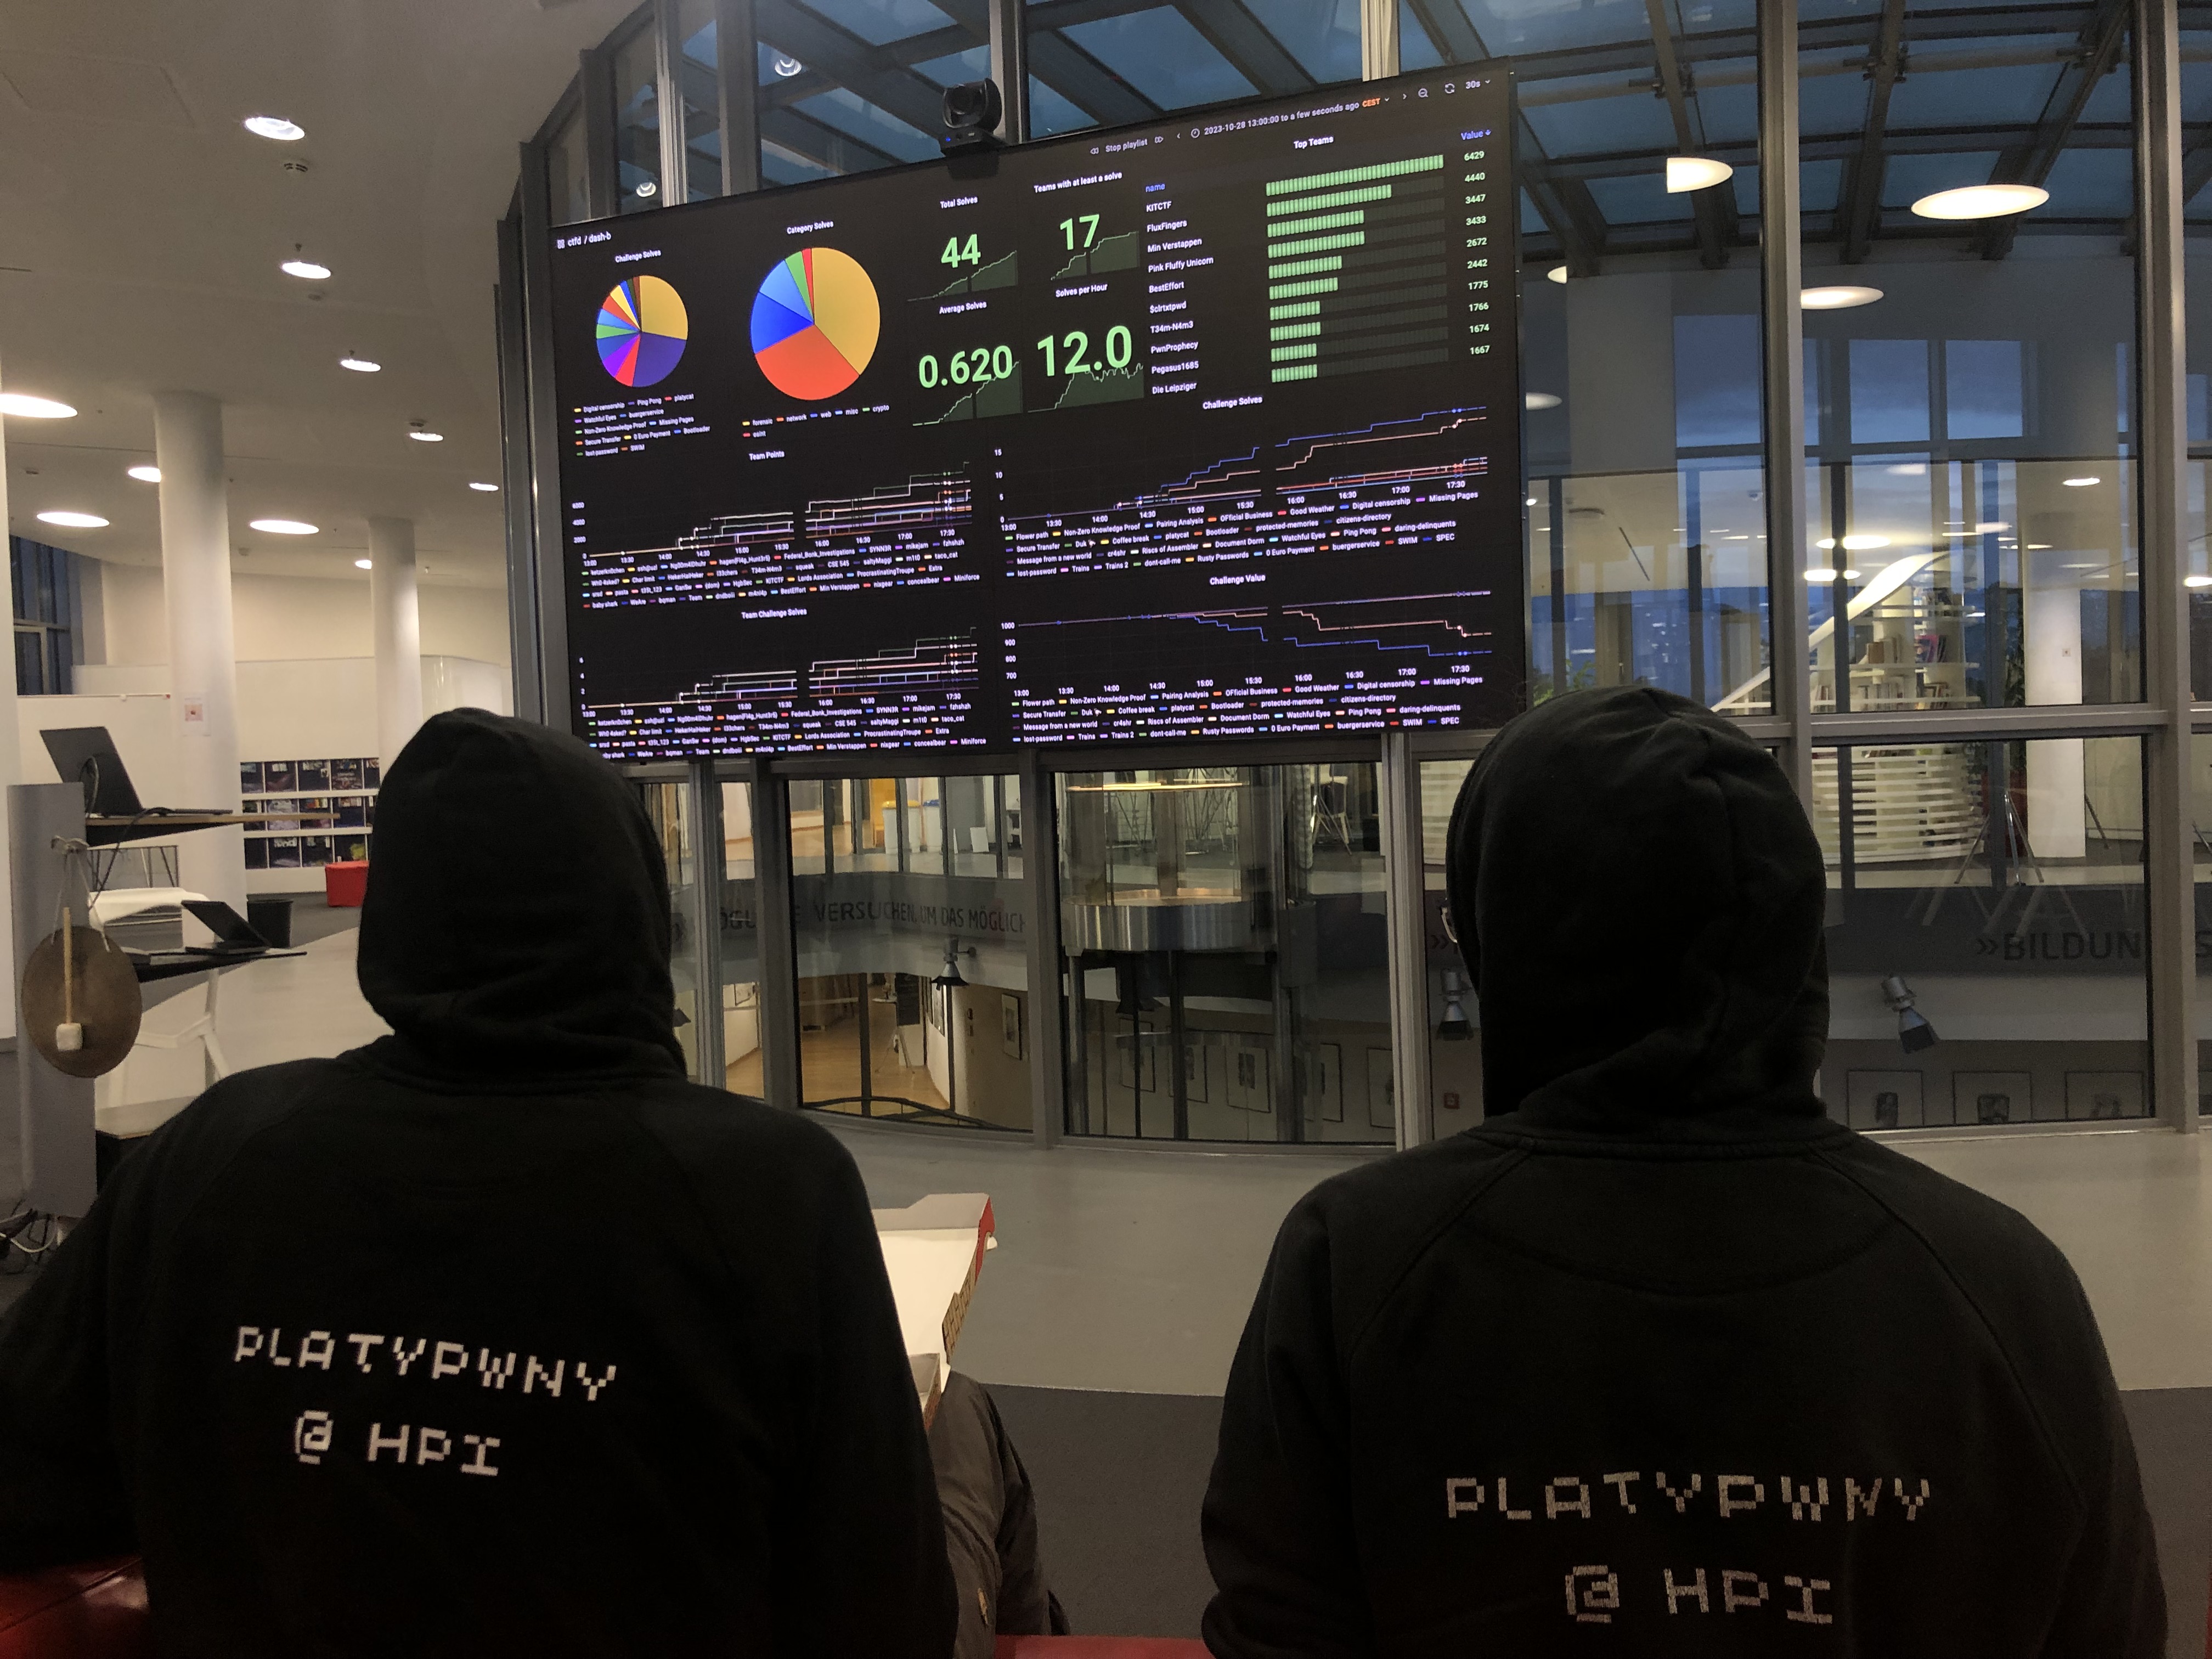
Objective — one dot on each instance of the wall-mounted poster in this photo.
(1992, 1096)
(1194, 1066)
(283, 852)
(1325, 1099)
(313, 775)
(1010, 1025)
(249, 777)
(314, 851)
(345, 774)
(278, 777)
(1251, 1082)
(1885, 1100)
(1381, 1091)
(256, 854)
(2105, 1094)
(371, 773)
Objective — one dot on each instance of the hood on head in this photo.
(517, 916)
(1640, 898)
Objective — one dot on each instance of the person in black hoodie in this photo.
(495, 1336)
(1660, 1359)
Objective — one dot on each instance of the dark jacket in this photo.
(496, 1336)
(1659, 1360)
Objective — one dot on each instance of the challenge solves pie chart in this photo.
(815, 322)
(641, 330)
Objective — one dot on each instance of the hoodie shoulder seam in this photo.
(2050, 1442)
(1427, 1242)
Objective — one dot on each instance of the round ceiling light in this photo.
(364, 564)
(1541, 400)
(1855, 544)
(34, 409)
(1555, 274)
(489, 489)
(306, 269)
(145, 474)
(73, 520)
(2080, 484)
(1831, 575)
(1685, 172)
(286, 527)
(1980, 202)
(276, 127)
(785, 67)
(361, 365)
(2196, 581)
(423, 435)
(1840, 298)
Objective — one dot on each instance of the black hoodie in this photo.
(1659, 1360)
(495, 1336)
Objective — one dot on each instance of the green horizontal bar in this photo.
(1305, 267)
(1297, 308)
(1334, 199)
(1303, 372)
(1356, 175)
(1319, 222)
(1289, 354)
(1291, 290)
(1294, 331)
(1318, 243)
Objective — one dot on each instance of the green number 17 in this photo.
(1090, 223)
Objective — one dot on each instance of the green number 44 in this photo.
(958, 252)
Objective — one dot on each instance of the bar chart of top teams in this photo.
(1175, 431)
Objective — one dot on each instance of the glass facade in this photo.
(1988, 580)
(913, 994)
(1227, 975)
(44, 581)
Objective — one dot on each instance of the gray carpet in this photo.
(1118, 1480)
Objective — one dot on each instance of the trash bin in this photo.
(271, 918)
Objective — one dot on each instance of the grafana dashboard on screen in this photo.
(1208, 428)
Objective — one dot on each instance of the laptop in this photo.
(234, 934)
(86, 755)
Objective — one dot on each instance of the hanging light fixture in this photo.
(1455, 1026)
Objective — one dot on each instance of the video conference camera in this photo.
(972, 112)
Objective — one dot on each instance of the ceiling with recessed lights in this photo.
(146, 227)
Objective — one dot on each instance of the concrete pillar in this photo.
(2058, 822)
(398, 634)
(203, 650)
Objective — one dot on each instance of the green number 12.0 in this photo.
(1119, 348)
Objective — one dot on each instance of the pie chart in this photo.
(815, 322)
(642, 329)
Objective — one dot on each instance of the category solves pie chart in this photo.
(642, 330)
(815, 322)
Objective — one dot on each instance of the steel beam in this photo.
(2169, 849)
(1782, 282)
(526, 653)
(1861, 218)
(777, 933)
(2097, 53)
(737, 75)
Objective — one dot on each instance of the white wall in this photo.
(287, 710)
(280, 618)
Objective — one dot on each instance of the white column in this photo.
(203, 653)
(12, 771)
(2058, 822)
(398, 634)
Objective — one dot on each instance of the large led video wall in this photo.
(1177, 431)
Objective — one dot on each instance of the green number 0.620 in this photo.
(977, 365)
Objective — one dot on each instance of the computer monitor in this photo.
(86, 755)
(230, 929)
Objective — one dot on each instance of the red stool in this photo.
(345, 883)
(95, 1610)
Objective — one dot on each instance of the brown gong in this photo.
(77, 975)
